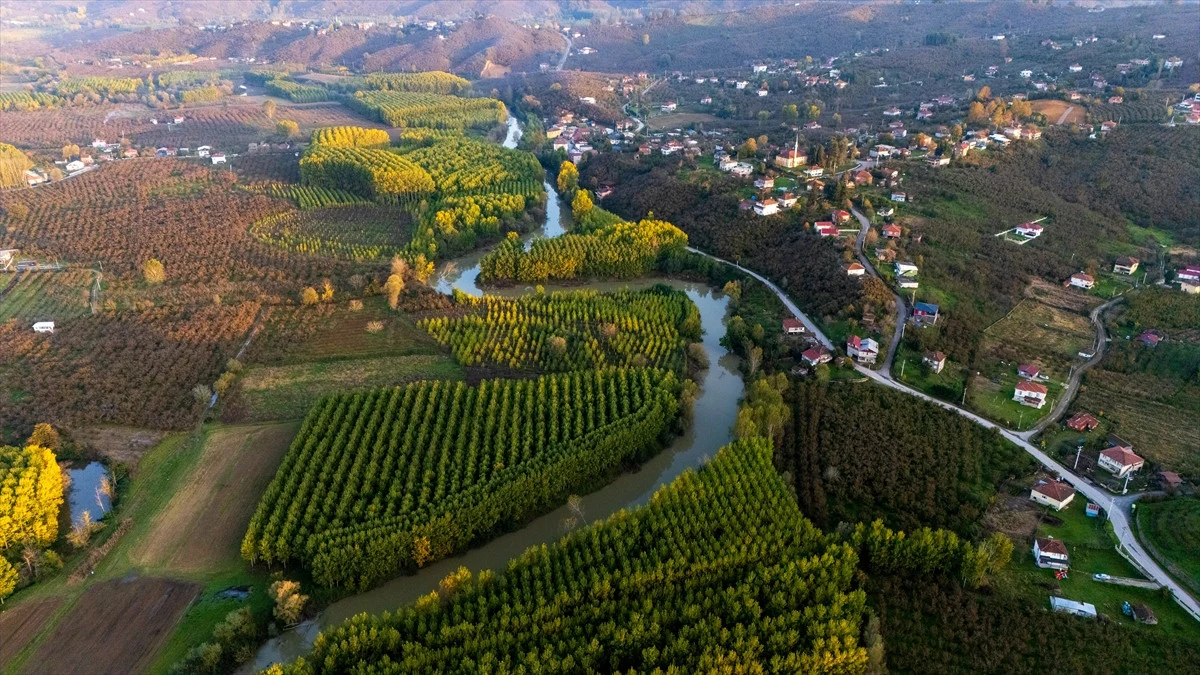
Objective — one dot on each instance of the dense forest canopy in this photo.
(862, 452)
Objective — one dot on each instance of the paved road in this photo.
(1117, 508)
(901, 308)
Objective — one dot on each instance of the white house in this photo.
(793, 326)
(814, 172)
(203, 151)
(905, 269)
(855, 269)
(1051, 553)
(1030, 230)
(1120, 461)
(1031, 394)
(899, 197)
(935, 360)
(43, 327)
(767, 207)
(1081, 280)
(764, 183)
(1189, 273)
(863, 350)
(218, 158)
(1026, 74)
(1055, 494)
(1125, 265)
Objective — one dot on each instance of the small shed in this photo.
(43, 327)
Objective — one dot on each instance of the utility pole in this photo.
(1078, 452)
(1125, 488)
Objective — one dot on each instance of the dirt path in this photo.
(201, 527)
(1065, 115)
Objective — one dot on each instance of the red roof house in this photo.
(1120, 461)
(793, 326)
(1082, 421)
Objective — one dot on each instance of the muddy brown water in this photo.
(714, 413)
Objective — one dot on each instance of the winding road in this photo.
(1116, 507)
(901, 308)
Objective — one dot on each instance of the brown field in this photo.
(1072, 300)
(115, 627)
(18, 625)
(1163, 426)
(119, 444)
(202, 526)
(224, 128)
(679, 120)
(1053, 110)
(1039, 333)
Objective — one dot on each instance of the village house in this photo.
(885, 254)
(1031, 394)
(892, 112)
(905, 268)
(899, 197)
(863, 350)
(1125, 265)
(787, 200)
(816, 355)
(826, 228)
(855, 269)
(43, 327)
(925, 313)
(1170, 480)
(1190, 287)
(886, 212)
(767, 207)
(1108, 126)
(814, 172)
(742, 170)
(1029, 230)
(1149, 338)
(935, 161)
(840, 216)
(33, 177)
(863, 177)
(793, 327)
(1189, 273)
(1120, 461)
(1055, 494)
(1081, 280)
(1075, 68)
(1051, 553)
(935, 360)
(218, 158)
(1082, 422)
(1028, 371)
(764, 183)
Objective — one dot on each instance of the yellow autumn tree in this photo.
(153, 271)
(568, 178)
(31, 493)
(581, 204)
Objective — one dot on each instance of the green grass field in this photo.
(946, 385)
(1091, 546)
(995, 402)
(46, 296)
(286, 392)
(1172, 529)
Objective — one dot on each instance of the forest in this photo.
(576, 330)
(720, 571)
(31, 493)
(385, 481)
(865, 452)
(792, 256)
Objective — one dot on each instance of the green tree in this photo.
(289, 603)
(790, 112)
(45, 436)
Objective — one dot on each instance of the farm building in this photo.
(1084, 609)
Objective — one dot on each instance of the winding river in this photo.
(714, 413)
